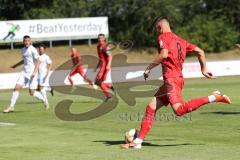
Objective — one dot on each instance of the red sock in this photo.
(147, 122)
(191, 105)
(70, 80)
(105, 89)
(88, 80)
(109, 85)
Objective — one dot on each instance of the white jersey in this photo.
(29, 55)
(45, 60)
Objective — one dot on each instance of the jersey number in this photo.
(179, 51)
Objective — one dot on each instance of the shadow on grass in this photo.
(111, 143)
(35, 102)
(38, 102)
(15, 112)
(167, 139)
(222, 113)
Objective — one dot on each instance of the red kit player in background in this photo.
(77, 67)
(171, 54)
(104, 63)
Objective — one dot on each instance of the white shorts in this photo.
(25, 81)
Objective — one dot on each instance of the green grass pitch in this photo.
(212, 132)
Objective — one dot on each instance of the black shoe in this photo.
(112, 88)
(52, 92)
(107, 99)
(114, 92)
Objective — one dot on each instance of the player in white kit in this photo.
(28, 76)
(43, 70)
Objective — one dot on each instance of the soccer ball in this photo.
(131, 135)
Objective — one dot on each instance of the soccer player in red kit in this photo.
(104, 63)
(171, 54)
(77, 67)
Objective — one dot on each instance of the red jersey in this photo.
(103, 52)
(75, 57)
(177, 49)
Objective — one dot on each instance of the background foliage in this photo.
(212, 24)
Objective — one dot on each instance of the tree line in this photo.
(212, 24)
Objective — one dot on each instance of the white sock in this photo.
(43, 92)
(39, 96)
(14, 98)
(47, 88)
(138, 140)
(211, 98)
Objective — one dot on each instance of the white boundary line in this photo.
(6, 124)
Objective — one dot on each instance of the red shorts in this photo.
(171, 91)
(79, 70)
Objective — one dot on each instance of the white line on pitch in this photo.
(7, 124)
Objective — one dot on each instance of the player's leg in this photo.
(100, 81)
(36, 94)
(109, 86)
(180, 108)
(42, 84)
(72, 73)
(15, 95)
(104, 77)
(44, 94)
(193, 104)
(20, 82)
(148, 118)
(105, 89)
(160, 100)
(46, 85)
(88, 80)
(101, 71)
(105, 86)
(83, 74)
(49, 89)
(146, 124)
(33, 83)
(174, 87)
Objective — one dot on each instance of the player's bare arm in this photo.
(158, 59)
(49, 67)
(109, 62)
(202, 61)
(17, 64)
